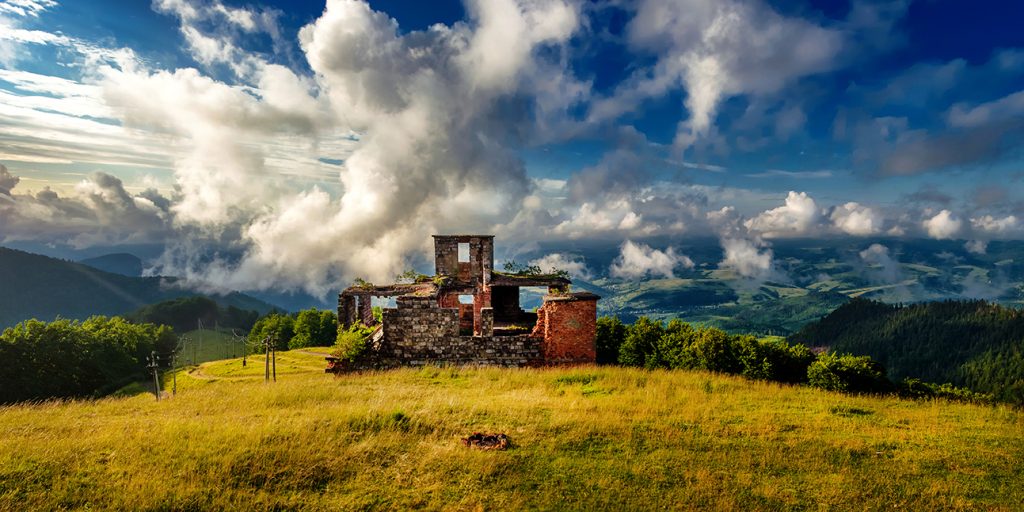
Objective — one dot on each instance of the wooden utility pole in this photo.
(266, 369)
(275, 359)
(174, 368)
(156, 376)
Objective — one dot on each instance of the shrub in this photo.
(773, 359)
(673, 348)
(713, 350)
(856, 374)
(916, 388)
(352, 343)
(638, 347)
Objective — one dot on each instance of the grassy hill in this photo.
(583, 439)
(36, 286)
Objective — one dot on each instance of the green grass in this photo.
(209, 345)
(584, 438)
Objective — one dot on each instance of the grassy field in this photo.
(584, 438)
(209, 345)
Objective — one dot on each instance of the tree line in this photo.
(652, 344)
(72, 359)
(307, 328)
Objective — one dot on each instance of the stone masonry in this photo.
(429, 325)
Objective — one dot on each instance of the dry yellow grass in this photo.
(585, 438)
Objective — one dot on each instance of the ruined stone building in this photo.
(468, 313)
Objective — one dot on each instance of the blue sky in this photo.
(218, 126)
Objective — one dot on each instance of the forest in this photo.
(967, 343)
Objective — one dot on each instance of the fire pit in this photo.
(487, 441)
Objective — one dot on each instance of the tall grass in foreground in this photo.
(585, 438)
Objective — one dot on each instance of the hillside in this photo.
(118, 263)
(583, 439)
(968, 343)
(36, 286)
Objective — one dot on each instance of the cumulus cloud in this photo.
(420, 120)
(996, 227)
(639, 260)
(7, 180)
(942, 225)
(855, 219)
(976, 246)
(885, 269)
(797, 217)
(716, 50)
(574, 265)
(100, 211)
(748, 258)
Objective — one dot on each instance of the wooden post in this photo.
(156, 378)
(266, 368)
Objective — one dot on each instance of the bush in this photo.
(610, 334)
(673, 348)
(713, 350)
(855, 374)
(916, 388)
(352, 343)
(773, 359)
(638, 347)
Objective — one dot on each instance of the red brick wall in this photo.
(481, 300)
(569, 328)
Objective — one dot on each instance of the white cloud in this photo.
(574, 265)
(797, 217)
(100, 211)
(639, 260)
(1007, 107)
(943, 225)
(976, 246)
(855, 219)
(997, 227)
(432, 150)
(717, 50)
(747, 258)
(886, 269)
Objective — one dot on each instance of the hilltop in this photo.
(37, 286)
(583, 438)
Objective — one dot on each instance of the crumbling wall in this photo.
(568, 325)
(416, 333)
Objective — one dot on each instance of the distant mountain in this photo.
(972, 343)
(35, 286)
(811, 277)
(121, 263)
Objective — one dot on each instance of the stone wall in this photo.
(415, 336)
(481, 257)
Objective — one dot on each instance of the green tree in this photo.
(314, 328)
(673, 348)
(610, 334)
(854, 374)
(714, 350)
(280, 328)
(638, 347)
